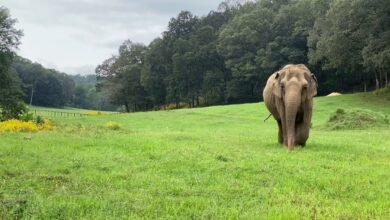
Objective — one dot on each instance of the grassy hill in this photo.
(208, 163)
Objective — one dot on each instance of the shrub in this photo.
(173, 106)
(13, 111)
(26, 116)
(39, 119)
(384, 92)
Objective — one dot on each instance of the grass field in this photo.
(208, 163)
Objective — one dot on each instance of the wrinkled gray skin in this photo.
(288, 95)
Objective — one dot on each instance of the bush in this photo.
(13, 111)
(26, 116)
(173, 106)
(39, 120)
(384, 92)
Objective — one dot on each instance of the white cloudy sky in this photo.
(74, 36)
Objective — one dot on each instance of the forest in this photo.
(223, 57)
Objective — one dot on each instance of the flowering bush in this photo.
(46, 125)
(14, 125)
(112, 125)
(93, 113)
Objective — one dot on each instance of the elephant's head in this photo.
(295, 87)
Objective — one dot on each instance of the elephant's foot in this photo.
(301, 143)
(291, 142)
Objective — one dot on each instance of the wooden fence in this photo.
(57, 113)
(49, 113)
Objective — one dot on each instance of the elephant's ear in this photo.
(277, 88)
(312, 90)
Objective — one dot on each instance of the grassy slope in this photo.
(218, 162)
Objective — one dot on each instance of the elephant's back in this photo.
(268, 86)
(267, 92)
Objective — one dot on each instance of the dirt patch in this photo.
(334, 94)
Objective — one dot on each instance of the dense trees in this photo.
(44, 87)
(220, 58)
(121, 77)
(226, 56)
(48, 87)
(353, 39)
(86, 95)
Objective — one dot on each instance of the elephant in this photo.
(288, 95)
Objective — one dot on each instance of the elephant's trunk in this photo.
(292, 103)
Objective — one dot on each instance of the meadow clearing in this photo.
(219, 162)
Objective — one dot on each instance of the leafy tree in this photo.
(213, 88)
(239, 42)
(154, 73)
(121, 77)
(10, 92)
(80, 97)
(376, 53)
(87, 96)
(175, 39)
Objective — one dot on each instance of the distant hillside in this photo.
(51, 88)
(84, 80)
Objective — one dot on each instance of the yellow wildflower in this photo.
(14, 125)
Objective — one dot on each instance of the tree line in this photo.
(223, 57)
(41, 86)
(23, 81)
(226, 56)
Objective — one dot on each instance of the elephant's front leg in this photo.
(302, 133)
(280, 133)
(303, 128)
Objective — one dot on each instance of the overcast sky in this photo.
(74, 36)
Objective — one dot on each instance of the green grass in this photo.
(208, 163)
